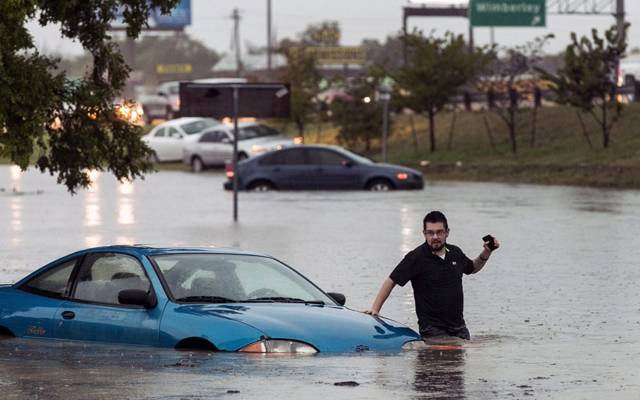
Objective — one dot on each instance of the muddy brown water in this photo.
(554, 314)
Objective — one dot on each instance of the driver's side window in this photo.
(103, 276)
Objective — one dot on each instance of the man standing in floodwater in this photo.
(435, 270)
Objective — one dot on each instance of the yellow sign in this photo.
(338, 55)
(164, 69)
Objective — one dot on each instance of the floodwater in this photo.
(554, 314)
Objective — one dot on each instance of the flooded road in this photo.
(554, 314)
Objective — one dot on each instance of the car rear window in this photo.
(52, 282)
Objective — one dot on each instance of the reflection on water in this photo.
(125, 203)
(92, 215)
(440, 373)
(16, 220)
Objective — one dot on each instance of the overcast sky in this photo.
(359, 19)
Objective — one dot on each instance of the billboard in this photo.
(335, 55)
(178, 19)
(259, 100)
(515, 13)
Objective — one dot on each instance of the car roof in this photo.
(153, 250)
(181, 120)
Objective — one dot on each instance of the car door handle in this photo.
(68, 315)
(276, 170)
(319, 169)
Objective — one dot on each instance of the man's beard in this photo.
(437, 247)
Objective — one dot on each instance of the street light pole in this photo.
(236, 103)
(384, 96)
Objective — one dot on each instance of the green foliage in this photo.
(326, 33)
(587, 80)
(72, 125)
(301, 71)
(437, 69)
(358, 117)
(153, 50)
(175, 49)
(504, 72)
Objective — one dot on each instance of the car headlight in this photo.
(278, 346)
(403, 176)
(414, 345)
(257, 148)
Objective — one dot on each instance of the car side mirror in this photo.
(137, 297)
(347, 164)
(163, 94)
(338, 297)
(225, 140)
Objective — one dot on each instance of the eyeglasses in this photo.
(440, 232)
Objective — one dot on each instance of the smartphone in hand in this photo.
(490, 242)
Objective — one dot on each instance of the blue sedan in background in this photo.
(189, 298)
(320, 167)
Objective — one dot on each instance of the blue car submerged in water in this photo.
(193, 298)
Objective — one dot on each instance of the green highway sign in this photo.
(531, 13)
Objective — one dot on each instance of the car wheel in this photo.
(242, 156)
(380, 185)
(261, 186)
(197, 165)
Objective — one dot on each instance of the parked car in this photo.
(154, 107)
(214, 147)
(167, 139)
(217, 300)
(321, 167)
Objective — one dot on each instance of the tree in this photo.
(153, 50)
(508, 76)
(71, 126)
(437, 69)
(588, 78)
(301, 71)
(357, 114)
(304, 78)
(387, 55)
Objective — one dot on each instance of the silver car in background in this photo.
(214, 147)
(167, 139)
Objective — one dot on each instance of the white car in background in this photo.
(214, 147)
(167, 139)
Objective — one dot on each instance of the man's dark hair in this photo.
(434, 217)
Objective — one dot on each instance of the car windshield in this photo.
(255, 131)
(222, 278)
(198, 126)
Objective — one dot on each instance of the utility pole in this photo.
(236, 40)
(620, 17)
(269, 35)
(621, 37)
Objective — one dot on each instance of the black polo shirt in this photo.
(437, 284)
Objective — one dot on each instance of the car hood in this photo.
(327, 328)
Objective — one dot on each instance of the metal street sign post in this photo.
(514, 13)
(258, 100)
